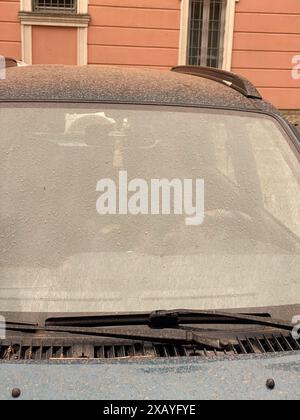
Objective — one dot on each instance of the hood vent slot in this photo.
(46, 350)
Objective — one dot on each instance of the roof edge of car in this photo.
(232, 80)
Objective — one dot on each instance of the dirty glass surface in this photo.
(58, 253)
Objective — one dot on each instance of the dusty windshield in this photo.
(124, 208)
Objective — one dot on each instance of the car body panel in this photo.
(244, 377)
(118, 85)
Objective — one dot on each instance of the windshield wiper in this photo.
(166, 336)
(169, 319)
(155, 327)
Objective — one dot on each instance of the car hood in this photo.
(244, 377)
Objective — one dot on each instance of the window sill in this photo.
(55, 19)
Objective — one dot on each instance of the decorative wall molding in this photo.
(184, 27)
(26, 5)
(48, 19)
(82, 6)
(26, 39)
(81, 20)
(82, 50)
(229, 31)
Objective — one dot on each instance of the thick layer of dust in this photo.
(115, 84)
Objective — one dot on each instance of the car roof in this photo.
(60, 83)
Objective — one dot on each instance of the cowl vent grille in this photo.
(45, 350)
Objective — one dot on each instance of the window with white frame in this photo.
(67, 6)
(206, 31)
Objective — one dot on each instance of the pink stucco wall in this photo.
(10, 31)
(266, 39)
(134, 32)
(54, 45)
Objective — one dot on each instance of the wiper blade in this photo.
(166, 336)
(170, 319)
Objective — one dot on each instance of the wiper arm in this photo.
(170, 319)
(166, 336)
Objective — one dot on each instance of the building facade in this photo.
(255, 38)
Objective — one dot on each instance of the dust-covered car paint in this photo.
(178, 379)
